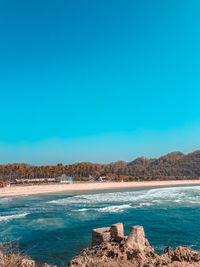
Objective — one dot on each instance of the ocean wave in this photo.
(142, 205)
(157, 196)
(11, 217)
(110, 209)
(97, 198)
(82, 210)
(5, 199)
(193, 248)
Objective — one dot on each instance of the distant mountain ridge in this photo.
(174, 165)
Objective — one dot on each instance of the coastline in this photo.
(54, 188)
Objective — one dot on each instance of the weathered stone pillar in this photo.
(136, 238)
(100, 235)
(117, 231)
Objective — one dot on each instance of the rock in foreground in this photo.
(15, 260)
(111, 248)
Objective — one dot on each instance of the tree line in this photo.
(174, 165)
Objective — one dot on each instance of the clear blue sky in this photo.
(98, 80)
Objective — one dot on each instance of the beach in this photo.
(55, 227)
(54, 188)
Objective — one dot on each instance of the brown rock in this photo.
(47, 265)
(2, 263)
(100, 235)
(134, 252)
(136, 238)
(117, 231)
(27, 263)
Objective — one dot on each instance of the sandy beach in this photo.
(42, 189)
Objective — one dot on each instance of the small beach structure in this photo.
(7, 183)
(64, 179)
(102, 178)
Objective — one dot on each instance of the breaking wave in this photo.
(11, 217)
(145, 198)
(82, 210)
(166, 214)
(109, 209)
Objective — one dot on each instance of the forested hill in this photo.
(174, 165)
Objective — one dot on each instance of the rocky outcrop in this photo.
(15, 260)
(111, 248)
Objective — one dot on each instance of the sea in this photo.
(53, 228)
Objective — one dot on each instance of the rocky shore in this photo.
(111, 248)
(15, 260)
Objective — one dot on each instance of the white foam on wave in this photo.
(142, 205)
(82, 210)
(157, 196)
(193, 248)
(99, 198)
(110, 209)
(11, 217)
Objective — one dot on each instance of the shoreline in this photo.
(55, 188)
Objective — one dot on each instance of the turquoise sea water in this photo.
(54, 228)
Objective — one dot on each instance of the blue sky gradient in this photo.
(98, 80)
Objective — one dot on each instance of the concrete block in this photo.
(117, 231)
(136, 238)
(100, 235)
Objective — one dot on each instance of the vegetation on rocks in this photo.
(10, 256)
